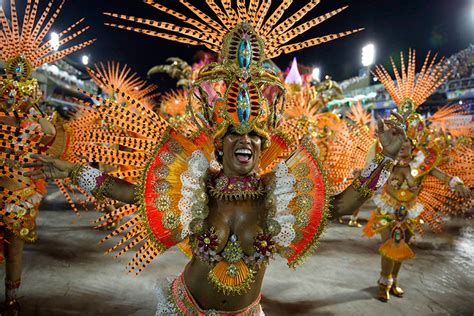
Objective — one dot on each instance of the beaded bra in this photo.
(232, 271)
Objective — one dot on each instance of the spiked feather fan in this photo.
(28, 40)
(407, 84)
(210, 32)
(114, 76)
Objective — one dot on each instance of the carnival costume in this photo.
(177, 177)
(408, 201)
(23, 50)
(342, 147)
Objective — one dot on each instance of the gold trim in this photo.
(236, 196)
(140, 192)
(314, 243)
(232, 289)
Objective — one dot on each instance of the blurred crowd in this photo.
(461, 65)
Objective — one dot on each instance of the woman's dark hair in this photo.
(218, 155)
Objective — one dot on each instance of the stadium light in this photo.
(316, 74)
(85, 60)
(368, 55)
(54, 41)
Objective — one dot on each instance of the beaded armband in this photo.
(91, 180)
(454, 182)
(374, 176)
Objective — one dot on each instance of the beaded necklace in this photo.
(232, 188)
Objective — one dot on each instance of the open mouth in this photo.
(243, 155)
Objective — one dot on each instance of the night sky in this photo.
(445, 26)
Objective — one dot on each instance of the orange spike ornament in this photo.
(114, 76)
(409, 91)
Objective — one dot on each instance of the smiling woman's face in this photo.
(241, 153)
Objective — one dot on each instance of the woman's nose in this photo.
(244, 139)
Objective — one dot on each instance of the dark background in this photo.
(445, 26)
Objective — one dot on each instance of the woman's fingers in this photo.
(33, 172)
(37, 176)
(397, 116)
(41, 158)
(33, 165)
(396, 127)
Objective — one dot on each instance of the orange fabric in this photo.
(40, 186)
(396, 252)
(368, 231)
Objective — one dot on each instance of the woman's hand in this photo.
(463, 191)
(391, 135)
(47, 167)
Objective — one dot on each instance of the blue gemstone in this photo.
(243, 106)
(402, 208)
(244, 54)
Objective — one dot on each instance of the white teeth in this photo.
(243, 151)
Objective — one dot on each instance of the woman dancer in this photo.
(410, 194)
(24, 130)
(223, 192)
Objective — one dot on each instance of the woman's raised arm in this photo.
(391, 135)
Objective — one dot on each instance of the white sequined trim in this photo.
(198, 165)
(417, 160)
(284, 193)
(369, 169)
(87, 178)
(413, 212)
(384, 175)
(382, 204)
(164, 305)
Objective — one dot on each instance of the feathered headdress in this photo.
(23, 49)
(245, 35)
(25, 46)
(410, 91)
